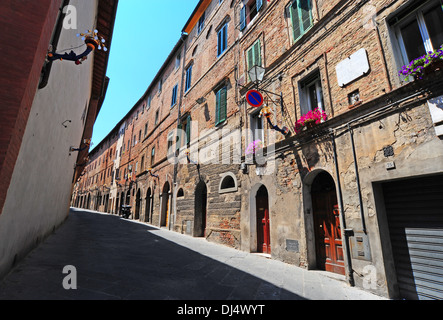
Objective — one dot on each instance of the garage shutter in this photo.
(415, 217)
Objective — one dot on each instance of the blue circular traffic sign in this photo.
(254, 98)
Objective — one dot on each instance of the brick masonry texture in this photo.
(391, 112)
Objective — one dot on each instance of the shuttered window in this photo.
(300, 13)
(253, 55)
(222, 43)
(174, 95)
(188, 78)
(248, 12)
(221, 105)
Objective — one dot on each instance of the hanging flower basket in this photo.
(310, 120)
(424, 65)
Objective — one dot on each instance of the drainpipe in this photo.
(345, 233)
(357, 178)
(351, 133)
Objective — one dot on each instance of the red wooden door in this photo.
(328, 240)
(263, 225)
(266, 236)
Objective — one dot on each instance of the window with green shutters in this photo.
(300, 13)
(221, 105)
(253, 55)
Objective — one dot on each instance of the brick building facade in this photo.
(348, 196)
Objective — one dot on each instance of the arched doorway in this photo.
(148, 207)
(263, 221)
(106, 203)
(165, 206)
(122, 202)
(128, 198)
(98, 201)
(137, 205)
(201, 210)
(327, 229)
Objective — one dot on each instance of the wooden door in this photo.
(167, 209)
(263, 223)
(328, 240)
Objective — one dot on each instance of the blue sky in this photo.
(145, 33)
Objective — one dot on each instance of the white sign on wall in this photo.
(352, 68)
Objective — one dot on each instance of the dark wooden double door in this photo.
(328, 239)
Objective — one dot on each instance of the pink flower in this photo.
(317, 116)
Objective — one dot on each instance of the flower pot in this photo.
(310, 124)
(435, 66)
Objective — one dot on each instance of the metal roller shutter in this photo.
(414, 210)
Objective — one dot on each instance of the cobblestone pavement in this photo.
(118, 259)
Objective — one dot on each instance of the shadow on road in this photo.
(119, 259)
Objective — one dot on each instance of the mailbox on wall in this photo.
(360, 247)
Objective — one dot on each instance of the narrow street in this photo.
(117, 259)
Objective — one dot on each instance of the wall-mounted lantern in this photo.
(93, 42)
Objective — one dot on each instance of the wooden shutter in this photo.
(257, 53)
(305, 14)
(219, 42)
(259, 4)
(223, 104)
(250, 57)
(254, 55)
(243, 18)
(295, 20)
(217, 108)
(188, 78)
(188, 130)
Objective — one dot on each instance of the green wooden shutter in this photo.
(217, 108)
(305, 14)
(223, 104)
(250, 57)
(179, 137)
(188, 130)
(295, 20)
(257, 53)
(254, 55)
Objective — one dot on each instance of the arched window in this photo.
(228, 183)
(180, 193)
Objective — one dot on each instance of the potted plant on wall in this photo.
(430, 62)
(310, 120)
